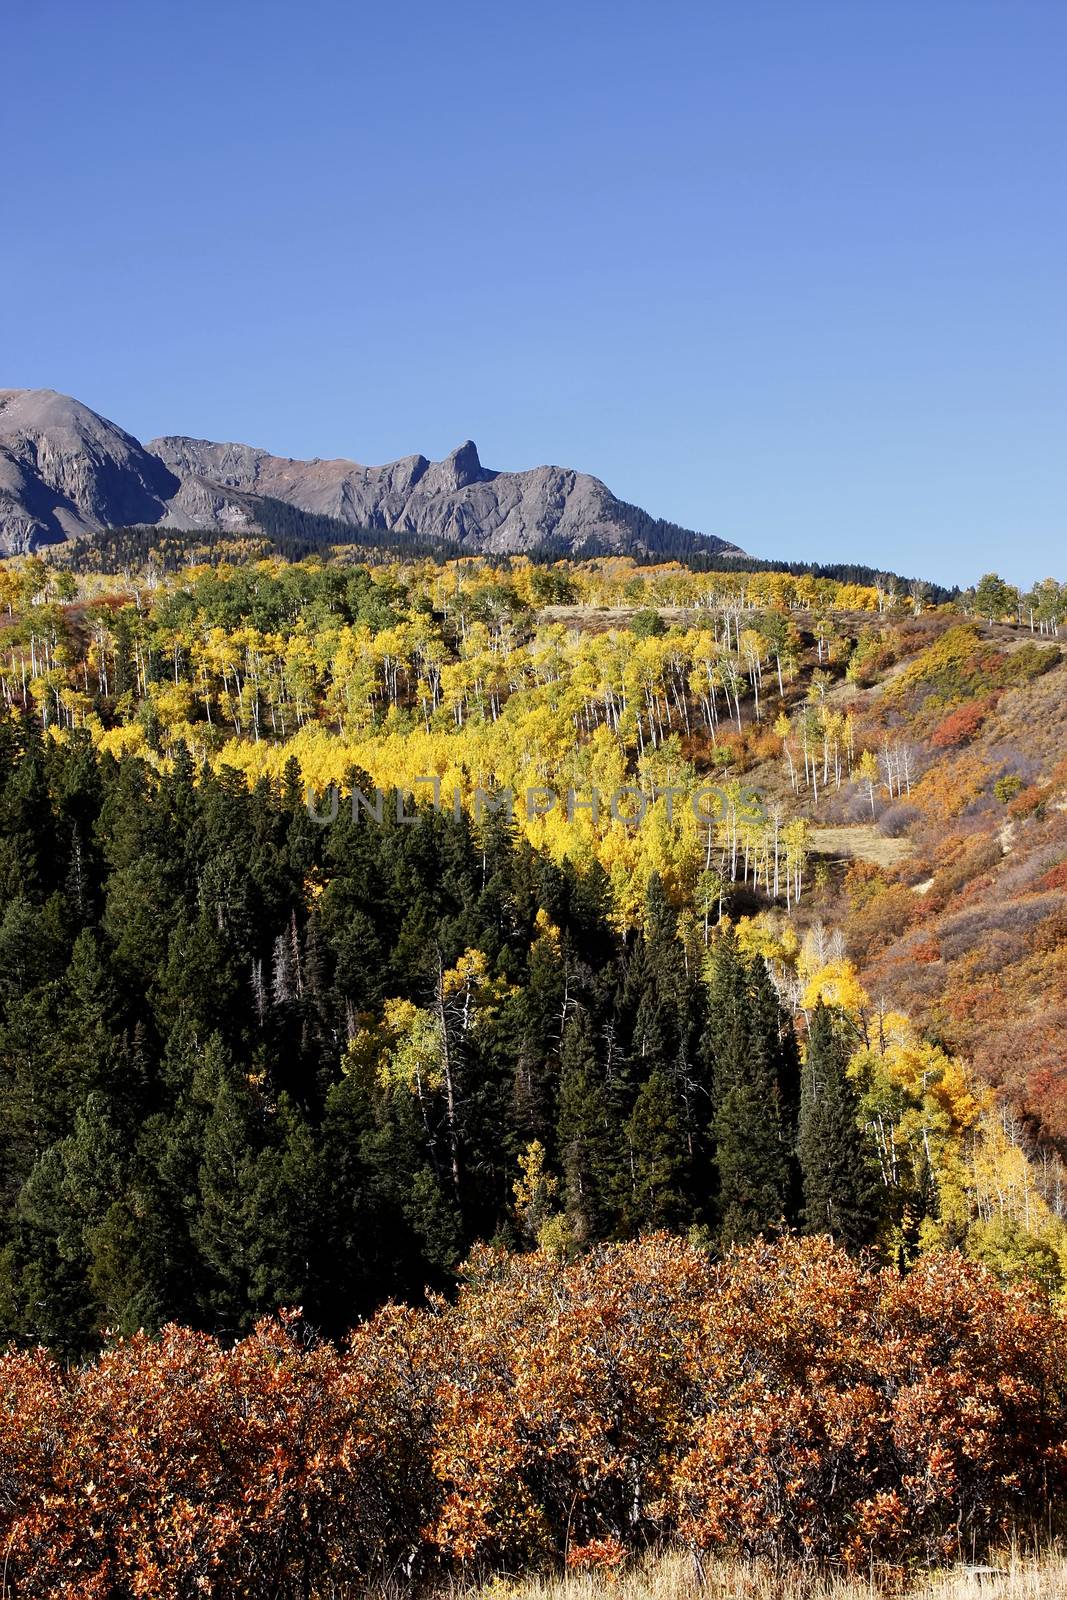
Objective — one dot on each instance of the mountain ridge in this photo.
(67, 472)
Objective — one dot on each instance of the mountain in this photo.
(66, 472)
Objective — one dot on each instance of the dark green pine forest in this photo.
(192, 1129)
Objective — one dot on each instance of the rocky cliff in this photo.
(65, 471)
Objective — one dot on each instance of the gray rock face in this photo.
(456, 499)
(64, 471)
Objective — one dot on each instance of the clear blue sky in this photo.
(790, 271)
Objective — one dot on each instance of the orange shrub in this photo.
(763, 744)
(961, 725)
(786, 1400)
(874, 924)
(1055, 878)
(1033, 798)
(965, 861)
(857, 1415)
(565, 1401)
(948, 789)
(863, 883)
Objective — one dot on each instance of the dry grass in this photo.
(673, 1577)
(603, 619)
(861, 840)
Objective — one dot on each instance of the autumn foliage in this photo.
(786, 1401)
(961, 725)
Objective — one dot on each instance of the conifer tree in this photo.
(284, 1213)
(657, 1157)
(750, 1128)
(840, 1184)
(224, 1226)
(590, 1168)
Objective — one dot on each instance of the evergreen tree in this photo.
(227, 1229)
(284, 1214)
(840, 1183)
(364, 1237)
(657, 1156)
(591, 1170)
(750, 1129)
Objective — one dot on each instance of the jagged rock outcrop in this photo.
(456, 499)
(64, 471)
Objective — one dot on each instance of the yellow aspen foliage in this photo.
(535, 1190)
(836, 984)
(414, 1053)
(769, 936)
(546, 930)
(992, 1205)
(124, 741)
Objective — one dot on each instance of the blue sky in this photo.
(790, 271)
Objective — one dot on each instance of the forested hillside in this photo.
(354, 919)
(250, 1061)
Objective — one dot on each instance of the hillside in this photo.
(66, 472)
(617, 1004)
(966, 929)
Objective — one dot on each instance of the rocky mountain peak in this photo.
(65, 471)
(461, 467)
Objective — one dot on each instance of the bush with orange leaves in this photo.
(568, 1400)
(176, 1467)
(785, 1401)
(864, 1416)
(961, 725)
